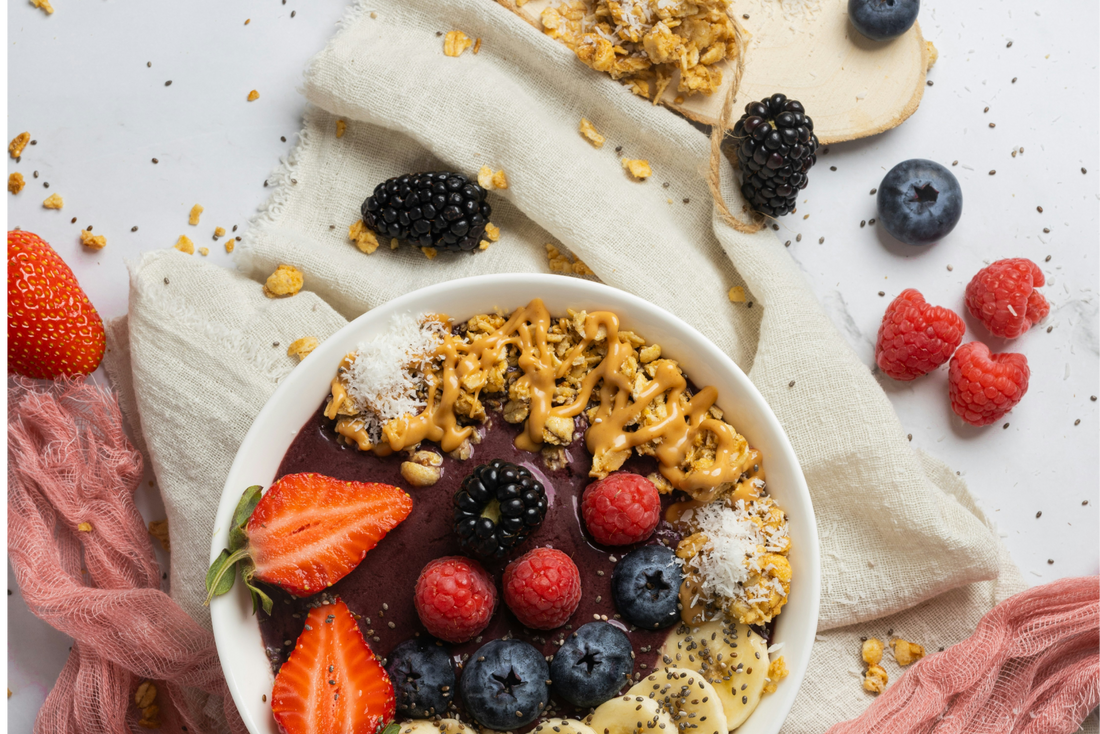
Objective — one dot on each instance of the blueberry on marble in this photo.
(919, 202)
(881, 20)
(506, 685)
(593, 665)
(422, 676)
(646, 587)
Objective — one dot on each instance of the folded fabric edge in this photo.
(270, 212)
(120, 378)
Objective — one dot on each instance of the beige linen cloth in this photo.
(903, 546)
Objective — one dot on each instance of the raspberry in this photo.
(985, 386)
(542, 588)
(455, 598)
(915, 337)
(1003, 297)
(621, 509)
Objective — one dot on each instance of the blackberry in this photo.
(441, 209)
(497, 507)
(776, 147)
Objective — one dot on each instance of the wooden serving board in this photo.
(851, 86)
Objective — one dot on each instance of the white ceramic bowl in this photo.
(236, 631)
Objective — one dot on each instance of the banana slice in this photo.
(563, 726)
(631, 715)
(692, 701)
(732, 658)
(443, 726)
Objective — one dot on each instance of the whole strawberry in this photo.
(916, 337)
(53, 329)
(542, 588)
(984, 386)
(1003, 297)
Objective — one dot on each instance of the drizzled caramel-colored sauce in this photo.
(467, 364)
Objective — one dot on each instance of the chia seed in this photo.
(790, 384)
(155, 161)
(881, 293)
(168, 83)
(134, 228)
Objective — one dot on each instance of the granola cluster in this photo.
(754, 532)
(645, 43)
(500, 388)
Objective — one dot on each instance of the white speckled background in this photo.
(78, 81)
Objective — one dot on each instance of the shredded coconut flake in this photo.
(734, 549)
(388, 373)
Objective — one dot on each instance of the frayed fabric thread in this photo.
(1031, 667)
(69, 462)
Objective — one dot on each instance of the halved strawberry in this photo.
(332, 683)
(306, 533)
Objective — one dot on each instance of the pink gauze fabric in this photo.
(1031, 667)
(69, 462)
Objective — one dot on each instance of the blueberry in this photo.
(506, 685)
(881, 20)
(422, 676)
(593, 665)
(919, 201)
(646, 586)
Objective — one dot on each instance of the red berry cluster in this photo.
(916, 338)
(455, 597)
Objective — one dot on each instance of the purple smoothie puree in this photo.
(380, 589)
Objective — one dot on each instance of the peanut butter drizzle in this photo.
(468, 364)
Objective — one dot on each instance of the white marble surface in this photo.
(78, 81)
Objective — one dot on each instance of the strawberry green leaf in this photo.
(392, 728)
(251, 497)
(219, 577)
(259, 599)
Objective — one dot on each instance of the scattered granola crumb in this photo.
(394, 243)
(16, 183)
(559, 263)
(737, 294)
(44, 5)
(84, 527)
(17, 144)
(905, 652)
(184, 244)
(483, 245)
(247, 21)
(53, 202)
(159, 530)
(193, 218)
(253, 96)
(92, 242)
(341, 128)
(230, 245)
(301, 348)
(455, 43)
(491, 181)
(204, 251)
(219, 231)
(492, 232)
(777, 671)
(146, 693)
(285, 281)
(588, 130)
(363, 237)
(477, 47)
(429, 252)
(876, 679)
(872, 651)
(638, 168)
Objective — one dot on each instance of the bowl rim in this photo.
(226, 611)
